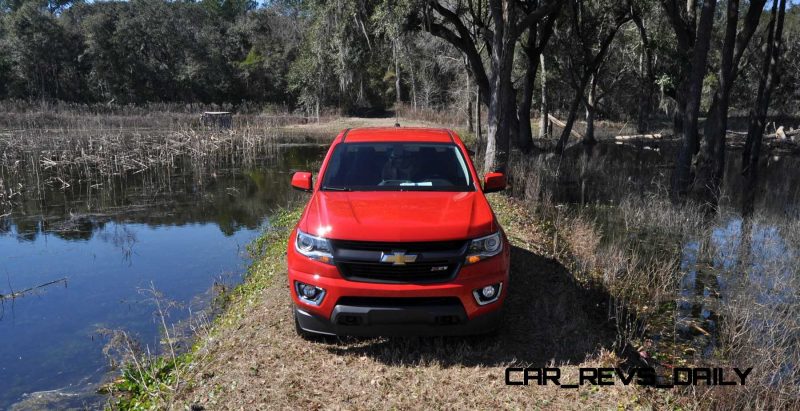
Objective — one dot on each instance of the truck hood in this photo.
(401, 216)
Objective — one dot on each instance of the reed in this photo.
(60, 146)
(627, 236)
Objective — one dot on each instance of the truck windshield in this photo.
(397, 167)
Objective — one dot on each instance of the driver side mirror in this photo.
(493, 182)
(301, 180)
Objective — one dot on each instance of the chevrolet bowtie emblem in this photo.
(398, 258)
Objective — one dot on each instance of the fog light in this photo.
(488, 291)
(309, 294)
(309, 291)
(487, 294)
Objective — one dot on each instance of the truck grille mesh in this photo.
(436, 261)
(409, 273)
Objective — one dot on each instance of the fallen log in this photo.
(17, 294)
(563, 125)
(656, 136)
(787, 134)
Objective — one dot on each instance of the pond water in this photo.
(178, 230)
(734, 261)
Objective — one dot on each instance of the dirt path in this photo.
(257, 362)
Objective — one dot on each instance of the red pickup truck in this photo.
(398, 239)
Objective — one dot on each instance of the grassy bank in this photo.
(250, 356)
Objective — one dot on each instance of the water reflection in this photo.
(732, 272)
(180, 228)
(611, 171)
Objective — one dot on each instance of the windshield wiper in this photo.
(326, 188)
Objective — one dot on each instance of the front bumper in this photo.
(338, 290)
(381, 318)
(395, 321)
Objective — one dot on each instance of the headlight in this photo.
(484, 247)
(315, 248)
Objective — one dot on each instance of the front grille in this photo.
(436, 261)
(409, 273)
(429, 246)
(399, 301)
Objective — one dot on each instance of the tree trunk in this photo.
(397, 73)
(755, 130)
(502, 58)
(588, 137)
(573, 112)
(711, 161)
(498, 128)
(524, 133)
(511, 114)
(469, 103)
(682, 175)
(647, 80)
(544, 121)
(493, 137)
(478, 115)
(413, 87)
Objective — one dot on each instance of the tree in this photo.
(769, 78)
(497, 29)
(538, 36)
(647, 76)
(229, 9)
(343, 33)
(593, 26)
(711, 161)
(269, 41)
(43, 53)
(694, 37)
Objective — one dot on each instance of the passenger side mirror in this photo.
(301, 180)
(493, 182)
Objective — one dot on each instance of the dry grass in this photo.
(761, 316)
(63, 146)
(332, 126)
(447, 118)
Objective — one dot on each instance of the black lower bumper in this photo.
(398, 320)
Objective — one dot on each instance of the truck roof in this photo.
(416, 134)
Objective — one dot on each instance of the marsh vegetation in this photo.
(685, 286)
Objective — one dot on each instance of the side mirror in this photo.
(301, 180)
(493, 182)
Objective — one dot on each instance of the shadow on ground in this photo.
(549, 317)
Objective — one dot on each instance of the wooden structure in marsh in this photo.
(218, 119)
